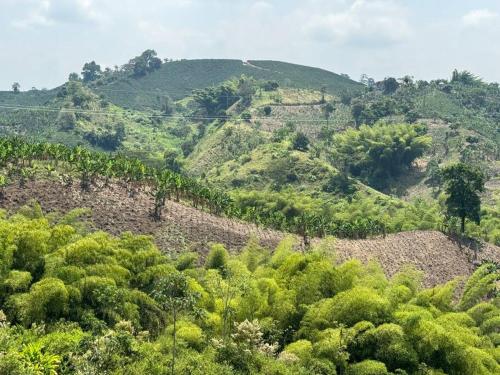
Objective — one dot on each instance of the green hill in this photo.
(27, 98)
(177, 79)
(241, 130)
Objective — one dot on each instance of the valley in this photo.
(219, 217)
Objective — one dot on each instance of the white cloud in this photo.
(52, 12)
(362, 22)
(178, 41)
(479, 17)
(261, 6)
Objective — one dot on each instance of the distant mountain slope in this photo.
(27, 98)
(178, 78)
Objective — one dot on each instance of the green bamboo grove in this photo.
(17, 155)
(76, 302)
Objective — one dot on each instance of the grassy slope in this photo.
(273, 165)
(240, 154)
(308, 77)
(27, 98)
(178, 78)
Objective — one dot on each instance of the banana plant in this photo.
(3, 184)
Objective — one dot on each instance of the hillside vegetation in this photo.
(365, 157)
(76, 302)
(177, 79)
(228, 217)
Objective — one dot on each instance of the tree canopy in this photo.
(380, 152)
(145, 63)
(463, 183)
(91, 71)
(82, 302)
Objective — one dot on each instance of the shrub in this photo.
(47, 300)
(300, 142)
(247, 116)
(368, 367)
(349, 307)
(190, 334)
(17, 281)
(186, 261)
(303, 349)
(217, 258)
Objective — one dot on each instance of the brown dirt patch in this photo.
(184, 228)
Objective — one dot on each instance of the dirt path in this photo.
(248, 63)
(185, 228)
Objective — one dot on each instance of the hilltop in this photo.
(177, 79)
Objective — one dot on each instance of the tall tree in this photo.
(390, 85)
(463, 183)
(173, 294)
(323, 90)
(328, 109)
(91, 71)
(73, 77)
(15, 87)
(145, 63)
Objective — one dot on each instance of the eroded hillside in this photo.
(185, 228)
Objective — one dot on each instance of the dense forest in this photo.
(76, 302)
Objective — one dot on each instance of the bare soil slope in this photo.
(182, 228)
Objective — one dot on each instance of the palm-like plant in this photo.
(38, 361)
(163, 184)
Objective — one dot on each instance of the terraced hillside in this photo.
(184, 228)
(284, 146)
(177, 79)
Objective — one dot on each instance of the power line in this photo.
(166, 93)
(152, 115)
(160, 92)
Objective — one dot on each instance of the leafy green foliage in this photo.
(215, 100)
(380, 152)
(463, 184)
(91, 71)
(146, 63)
(102, 304)
(217, 258)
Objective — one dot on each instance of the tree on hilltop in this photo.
(145, 63)
(16, 87)
(91, 71)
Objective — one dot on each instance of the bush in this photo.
(349, 307)
(190, 334)
(217, 258)
(17, 281)
(300, 142)
(247, 116)
(368, 367)
(47, 300)
(303, 349)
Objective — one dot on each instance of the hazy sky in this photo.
(41, 41)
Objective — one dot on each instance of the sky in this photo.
(42, 41)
